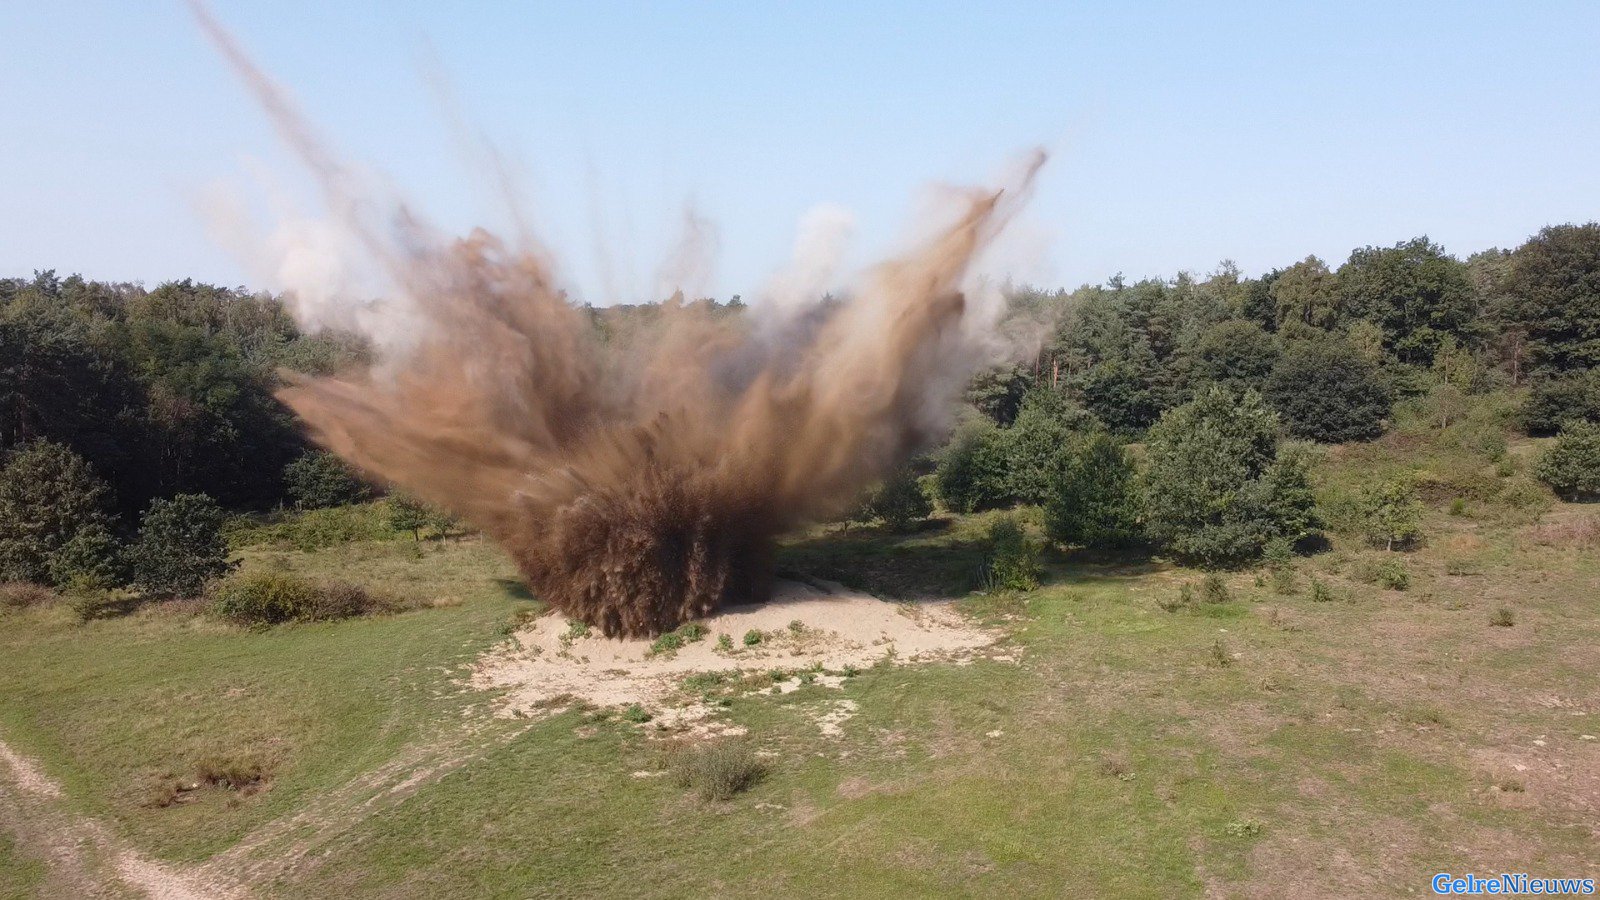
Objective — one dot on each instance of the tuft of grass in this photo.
(716, 771)
(724, 643)
(752, 638)
(1503, 618)
(636, 714)
(23, 594)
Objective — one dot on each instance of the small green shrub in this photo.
(1283, 581)
(636, 714)
(1213, 589)
(1571, 466)
(1184, 600)
(270, 598)
(671, 642)
(752, 638)
(1391, 514)
(1387, 573)
(1320, 592)
(1013, 558)
(724, 643)
(89, 604)
(716, 771)
(1220, 657)
(1243, 828)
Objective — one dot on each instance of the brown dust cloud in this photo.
(638, 477)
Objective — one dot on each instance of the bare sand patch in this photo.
(820, 627)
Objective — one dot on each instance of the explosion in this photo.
(638, 479)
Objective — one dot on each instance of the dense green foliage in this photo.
(1094, 495)
(1391, 514)
(974, 470)
(1572, 465)
(162, 391)
(271, 598)
(319, 480)
(900, 502)
(1326, 391)
(1013, 557)
(180, 547)
(54, 521)
(1218, 489)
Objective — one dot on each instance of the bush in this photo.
(973, 471)
(319, 480)
(1327, 391)
(1093, 499)
(23, 594)
(1217, 489)
(1391, 514)
(1388, 573)
(49, 496)
(273, 599)
(91, 560)
(716, 771)
(1214, 590)
(1033, 444)
(1013, 558)
(1559, 399)
(1571, 466)
(180, 547)
(900, 502)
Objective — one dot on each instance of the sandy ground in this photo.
(804, 626)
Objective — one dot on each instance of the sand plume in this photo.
(639, 469)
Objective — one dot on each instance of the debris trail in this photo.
(638, 476)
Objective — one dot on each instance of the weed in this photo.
(693, 631)
(1184, 600)
(1503, 618)
(752, 638)
(636, 714)
(797, 627)
(1220, 657)
(1243, 828)
(577, 630)
(716, 771)
(1458, 506)
(1511, 786)
(670, 642)
(724, 643)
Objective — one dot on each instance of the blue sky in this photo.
(1182, 133)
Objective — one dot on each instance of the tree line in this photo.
(127, 399)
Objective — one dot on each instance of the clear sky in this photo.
(1182, 133)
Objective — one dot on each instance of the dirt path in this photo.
(83, 857)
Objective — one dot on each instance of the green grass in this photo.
(1115, 757)
(20, 876)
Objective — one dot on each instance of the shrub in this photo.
(1571, 466)
(716, 771)
(1391, 514)
(900, 502)
(1558, 399)
(1326, 391)
(49, 496)
(23, 594)
(180, 547)
(274, 599)
(973, 473)
(1013, 557)
(319, 480)
(91, 560)
(1093, 499)
(1320, 592)
(1214, 590)
(1217, 489)
(1033, 444)
(1388, 573)
(1503, 618)
(752, 638)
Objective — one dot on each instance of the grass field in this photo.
(1269, 745)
